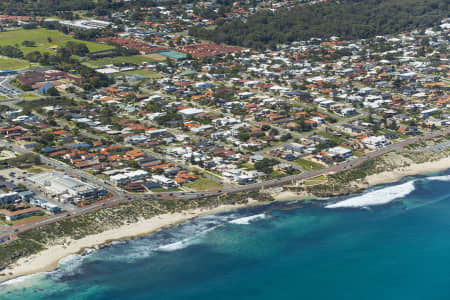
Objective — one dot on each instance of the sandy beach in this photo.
(414, 169)
(49, 258)
(291, 195)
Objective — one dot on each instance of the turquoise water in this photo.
(280, 251)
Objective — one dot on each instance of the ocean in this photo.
(289, 250)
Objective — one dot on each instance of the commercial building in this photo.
(20, 214)
(9, 197)
(86, 24)
(128, 177)
(64, 187)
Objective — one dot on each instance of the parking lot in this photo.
(18, 176)
(6, 88)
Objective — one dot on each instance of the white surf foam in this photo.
(440, 178)
(173, 246)
(69, 265)
(19, 280)
(378, 197)
(247, 220)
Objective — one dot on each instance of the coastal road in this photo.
(120, 196)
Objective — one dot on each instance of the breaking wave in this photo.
(378, 197)
(19, 280)
(247, 220)
(70, 265)
(174, 246)
(440, 178)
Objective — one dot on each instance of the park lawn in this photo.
(320, 178)
(29, 96)
(41, 38)
(316, 180)
(145, 73)
(203, 184)
(134, 59)
(7, 63)
(308, 165)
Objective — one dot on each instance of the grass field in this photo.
(135, 59)
(156, 57)
(29, 96)
(203, 184)
(14, 63)
(308, 165)
(44, 39)
(316, 180)
(145, 73)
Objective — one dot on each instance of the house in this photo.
(190, 112)
(11, 130)
(349, 111)
(339, 153)
(128, 177)
(295, 147)
(326, 104)
(375, 142)
(428, 112)
(164, 181)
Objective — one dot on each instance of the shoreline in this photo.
(414, 169)
(379, 178)
(48, 259)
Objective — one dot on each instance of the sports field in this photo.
(44, 39)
